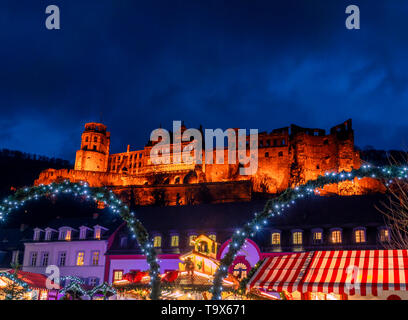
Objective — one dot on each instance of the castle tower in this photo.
(94, 152)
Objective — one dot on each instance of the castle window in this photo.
(359, 235)
(276, 238)
(86, 139)
(261, 143)
(95, 139)
(335, 236)
(297, 237)
(283, 142)
(157, 241)
(266, 154)
(280, 154)
(268, 143)
(384, 235)
(325, 142)
(175, 241)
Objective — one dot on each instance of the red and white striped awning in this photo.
(281, 272)
(362, 272)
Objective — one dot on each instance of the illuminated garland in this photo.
(14, 278)
(287, 198)
(74, 287)
(109, 199)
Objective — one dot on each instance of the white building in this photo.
(76, 251)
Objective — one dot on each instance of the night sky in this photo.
(247, 64)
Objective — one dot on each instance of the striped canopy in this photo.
(362, 272)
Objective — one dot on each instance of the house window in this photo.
(276, 238)
(62, 259)
(317, 237)
(174, 241)
(157, 241)
(48, 235)
(297, 237)
(336, 236)
(93, 281)
(359, 235)
(67, 235)
(117, 275)
(384, 235)
(33, 259)
(82, 234)
(80, 258)
(191, 240)
(44, 261)
(213, 237)
(98, 233)
(37, 235)
(95, 258)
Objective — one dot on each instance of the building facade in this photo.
(76, 251)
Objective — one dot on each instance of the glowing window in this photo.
(191, 239)
(98, 233)
(359, 235)
(240, 271)
(68, 235)
(276, 238)
(336, 236)
(297, 237)
(384, 235)
(317, 237)
(174, 241)
(80, 258)
(117, 275)
(157, 241)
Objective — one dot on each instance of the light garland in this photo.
(82, 189)
(16, 279)
(275, 207)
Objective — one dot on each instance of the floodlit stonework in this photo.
(286, 157)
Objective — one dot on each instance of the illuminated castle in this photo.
(286, 157)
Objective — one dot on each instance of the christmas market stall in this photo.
(333, 275)
(192, 281)
(22, 285)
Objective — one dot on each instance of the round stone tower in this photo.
(94, 152)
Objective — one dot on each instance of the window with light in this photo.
(98, 233)
(336, 236)
(117, 275)
(80, 258)
(317, 237)
(240, 271)
(191, 239)
(297, 238)
(359, 235)
(68, 235)
(157, 241)
(174, 241)
(276, 238)
(384, 235)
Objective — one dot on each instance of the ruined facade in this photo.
(286, 157)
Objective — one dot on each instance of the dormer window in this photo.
(37, 234)
(98, 230)
(68, 235)
(83, 232)
(174, 240)
(65, 233)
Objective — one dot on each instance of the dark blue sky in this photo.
(247, 64)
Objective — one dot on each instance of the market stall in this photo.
(334, 275)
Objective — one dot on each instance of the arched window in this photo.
(276, 238)
(157, 241)
(335, 236)
(175, 241)
(359, 235)
(297, 237)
